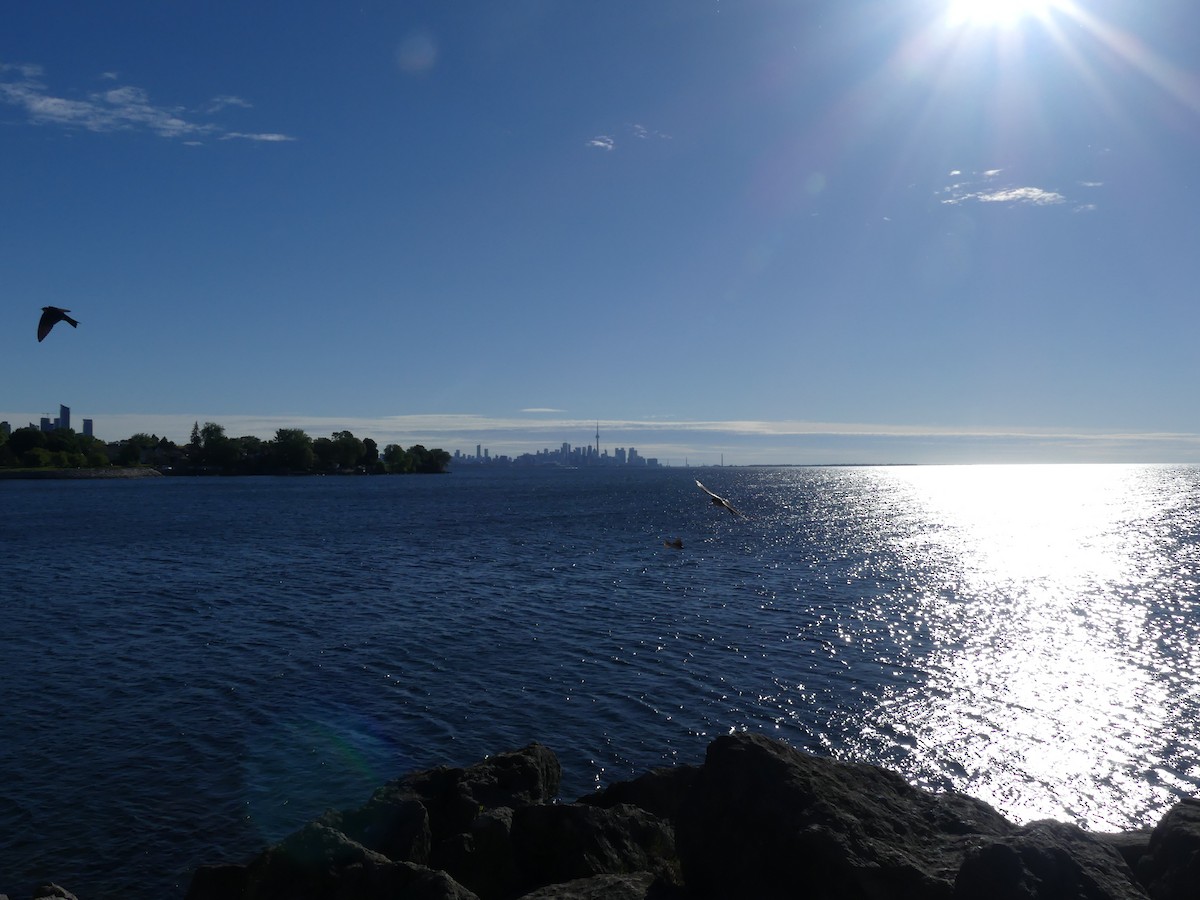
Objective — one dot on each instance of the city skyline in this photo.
(700, 442)
(786, 233)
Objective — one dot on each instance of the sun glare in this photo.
(996, 13)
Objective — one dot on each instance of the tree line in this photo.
(211, 451)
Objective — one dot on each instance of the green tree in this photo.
(36, 457)
(25, 439)
(62, 440)
(370, 457)
(422, 460)
(252, 451)
(292, 450)
(396, 459)
(134, 449)
(323, 450)
(347, 449)
(196, 445)
(218, 450)
(432, 462)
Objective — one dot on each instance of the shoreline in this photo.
(758, 818)
(79, 474)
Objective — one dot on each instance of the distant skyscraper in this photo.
(46, 424)
(87, 428)
(64, 416)
(5, 428)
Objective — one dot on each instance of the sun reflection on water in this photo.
(1060, 612)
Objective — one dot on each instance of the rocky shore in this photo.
(109, 472)
(756, 819)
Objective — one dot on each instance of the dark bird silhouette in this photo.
(676, 543)
(718, 500)
(50, 316)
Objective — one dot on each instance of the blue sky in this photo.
(773, 230)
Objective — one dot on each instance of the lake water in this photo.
(190, 668)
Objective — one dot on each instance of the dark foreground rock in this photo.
(757, 819)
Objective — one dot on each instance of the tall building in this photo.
(64, 417)
(87, 428)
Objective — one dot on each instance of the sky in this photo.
(749, 231)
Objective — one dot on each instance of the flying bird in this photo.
(718, 500)
(50, 316)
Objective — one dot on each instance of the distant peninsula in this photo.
(34, 452)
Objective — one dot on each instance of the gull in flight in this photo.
(50, 316)
(718, 500)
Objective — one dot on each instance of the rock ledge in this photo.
(757, 819)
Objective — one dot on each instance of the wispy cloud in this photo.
(982, 189)
(1028, 195)
(216, 104)
(642, 133)
(631, 130)
(122, 108)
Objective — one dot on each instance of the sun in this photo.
(997, 13)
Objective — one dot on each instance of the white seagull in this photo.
(719, 500)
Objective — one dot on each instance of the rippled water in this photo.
(190, 668)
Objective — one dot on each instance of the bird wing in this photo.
(45, 323)
(725, 503)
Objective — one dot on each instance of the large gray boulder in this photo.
(320, 863)
(1046, 861)
(392, 839)
(765, 820)
(567, 842)
(1170, 868)
(660, 791)
(640, 886)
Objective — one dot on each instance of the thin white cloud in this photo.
(216, 104)
(642, 133)
(638, 132)
(124, 108)
(1028, 195)
(982, 191)
(267, 138)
